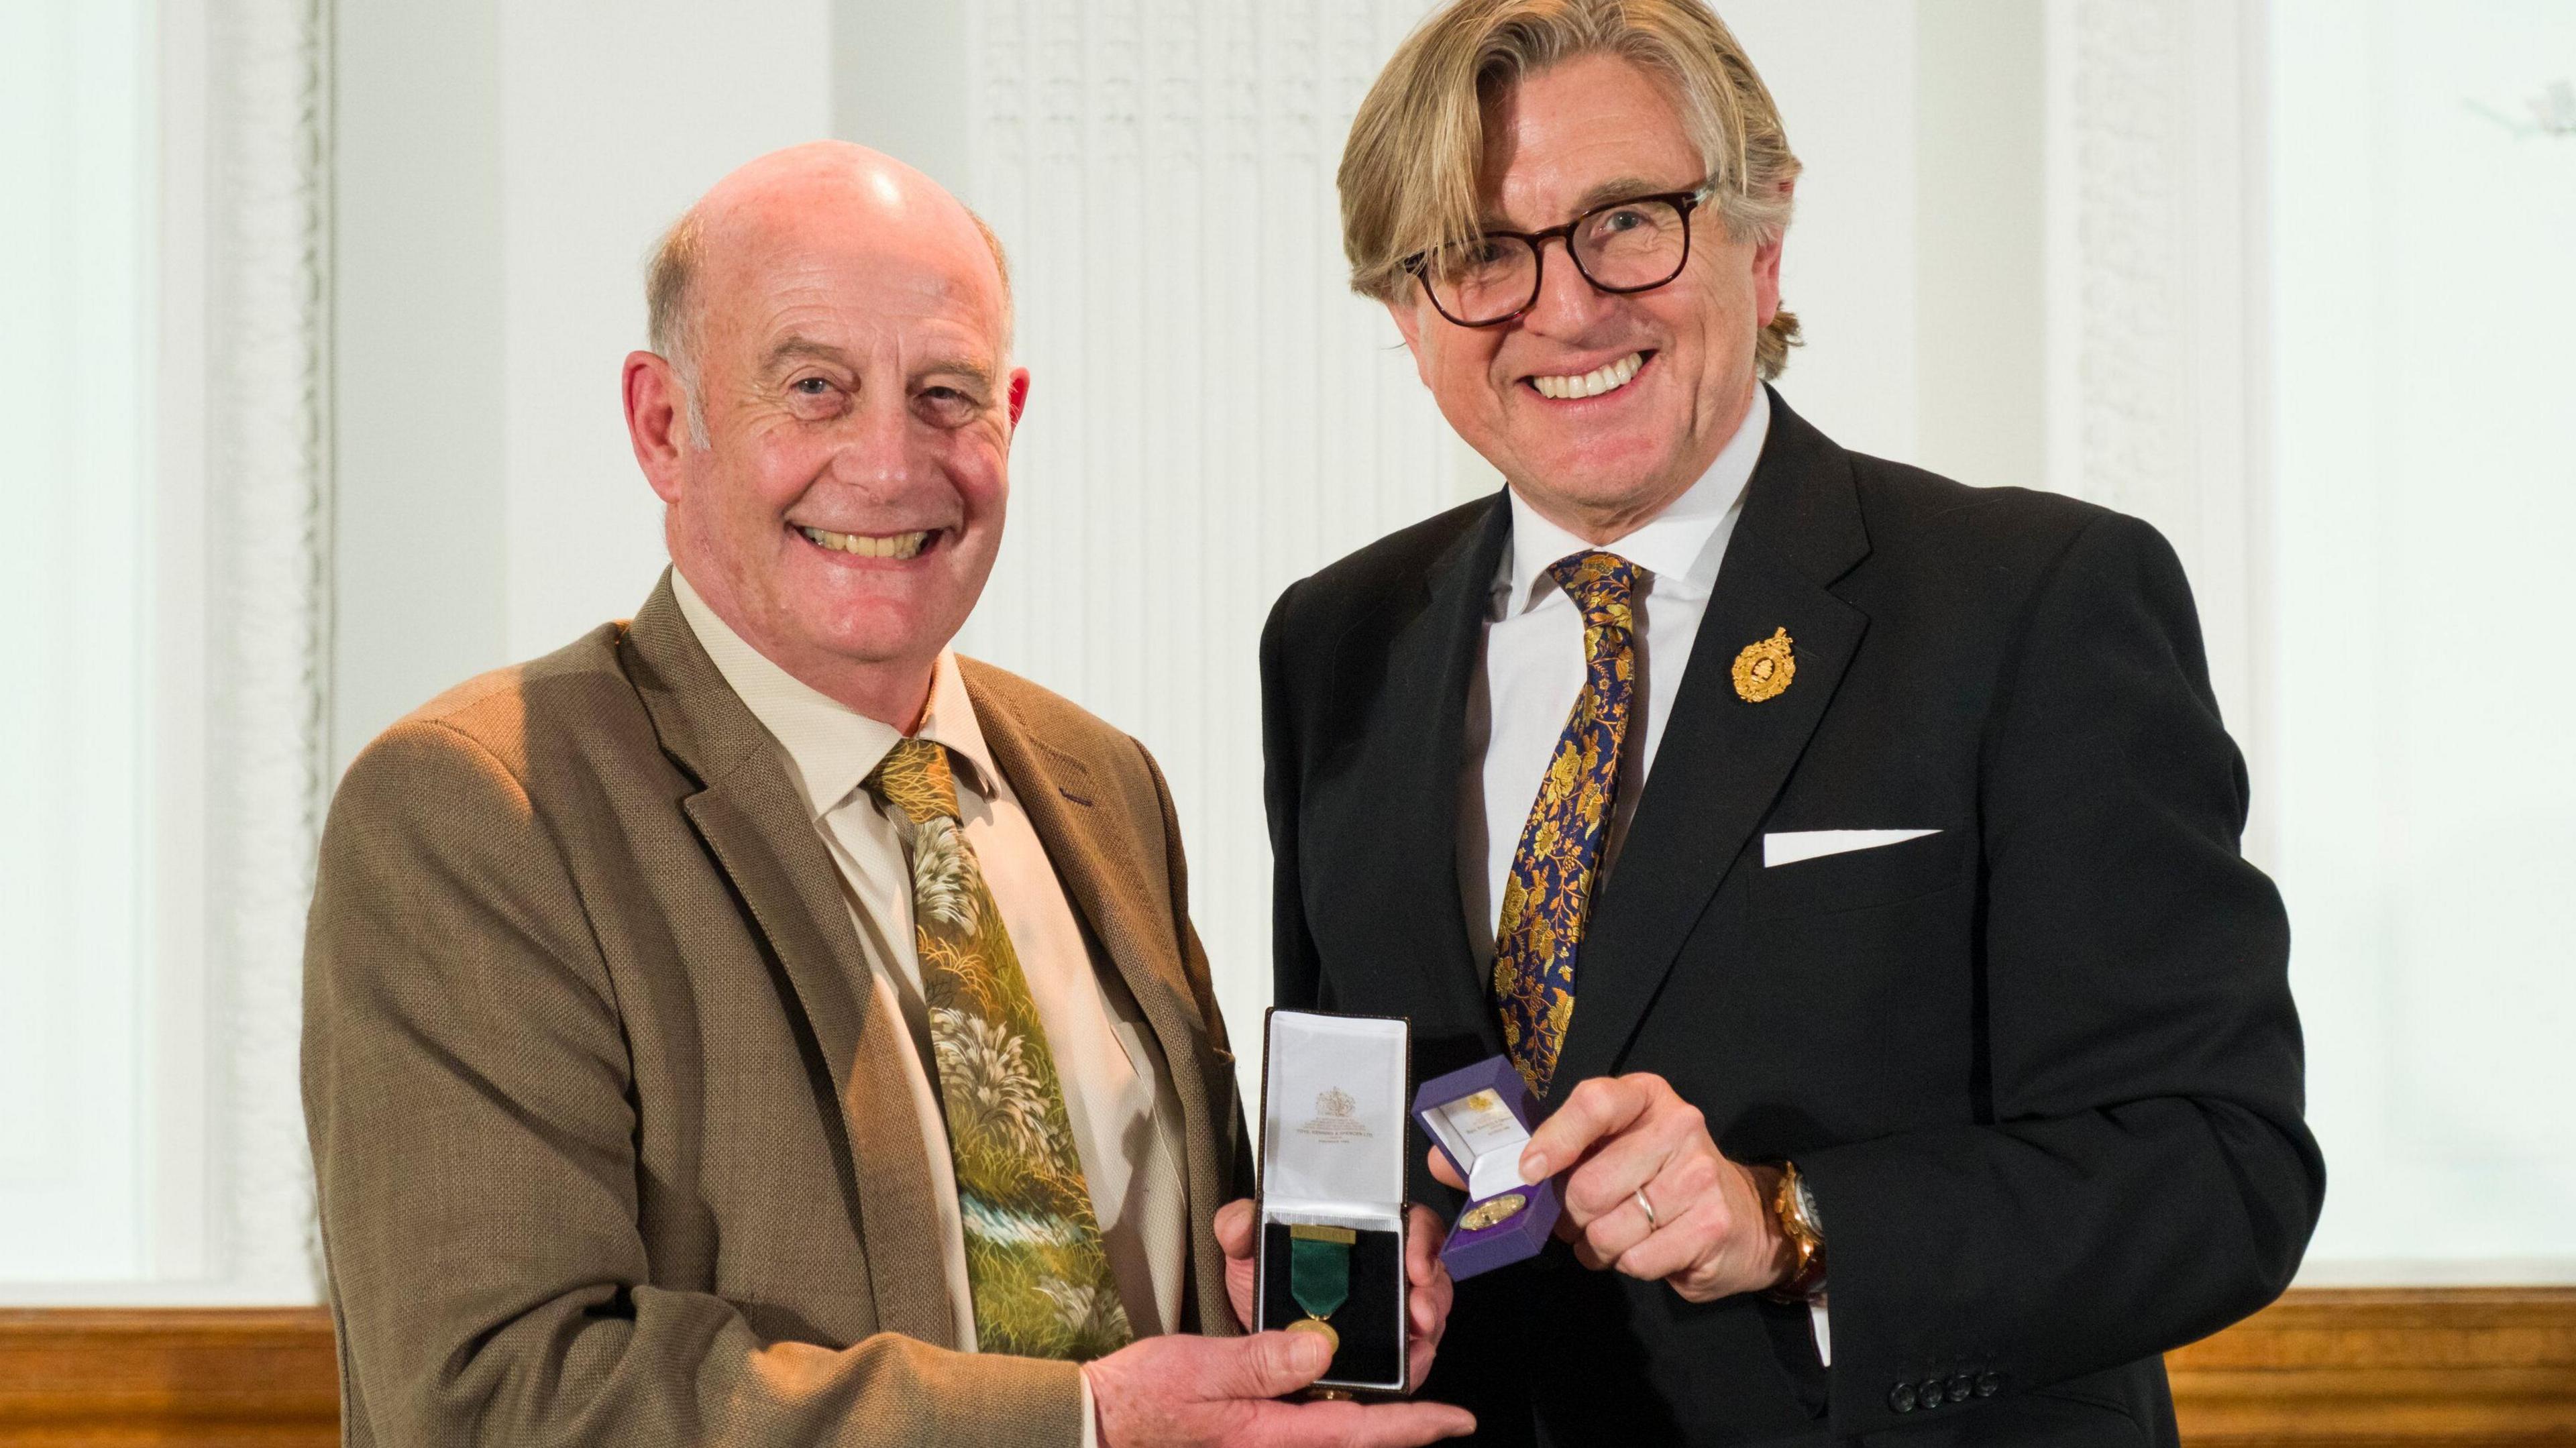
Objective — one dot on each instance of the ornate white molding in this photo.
(2157, 292)
(267, 200)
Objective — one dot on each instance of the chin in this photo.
(868, 635)
(1605, 483)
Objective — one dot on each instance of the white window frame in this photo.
(240, 634)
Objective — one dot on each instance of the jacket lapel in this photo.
(754, 823)
(1723, 760)
(1421, 680)
(1101, 880)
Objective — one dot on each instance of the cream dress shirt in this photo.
(1126, 1121)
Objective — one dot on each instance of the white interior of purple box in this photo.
(1484, 1138)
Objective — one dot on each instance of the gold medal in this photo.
(1763, 670)
(1485, 1214)
(1321, 1328)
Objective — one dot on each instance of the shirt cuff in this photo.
(1090, 1414)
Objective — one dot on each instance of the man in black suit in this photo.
(1848, 857)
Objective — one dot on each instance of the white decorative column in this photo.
(267, 523)
(2157, 295)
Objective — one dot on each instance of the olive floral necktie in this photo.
(1548, 897)
(1034, 1260)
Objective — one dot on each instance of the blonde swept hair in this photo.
(1408, 176)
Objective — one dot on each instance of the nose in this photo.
(1567, 304)
(876, 445)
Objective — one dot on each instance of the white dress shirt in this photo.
(1531, 667)
(1126, 1121)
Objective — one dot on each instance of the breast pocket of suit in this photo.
(1821, 872)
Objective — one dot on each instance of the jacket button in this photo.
(1960, 1387)
(1901, 1397)
(1989, 1384)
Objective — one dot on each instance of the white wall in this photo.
(505, 170)
(613, 119)
(2423, 790)
(418, 382)
(1843, 72)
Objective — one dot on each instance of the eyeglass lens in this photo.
(1629, 247)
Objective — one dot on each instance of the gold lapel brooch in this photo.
(1764, 669)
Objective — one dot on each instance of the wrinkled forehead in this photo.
(895, 273)
(1588, 129)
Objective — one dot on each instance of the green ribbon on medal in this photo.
(1319, 1275)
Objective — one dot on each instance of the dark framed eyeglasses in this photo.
(1622, 248)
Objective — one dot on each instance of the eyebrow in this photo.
(805, 349)
(1622, 188)
(796, 349)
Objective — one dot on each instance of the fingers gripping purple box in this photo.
(1480, 1118)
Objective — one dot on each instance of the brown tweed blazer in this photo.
(611, 1142)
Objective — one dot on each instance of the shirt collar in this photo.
(1677, 546)
(831, 747)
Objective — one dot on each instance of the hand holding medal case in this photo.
(1480, 1118)
(1331, 1205)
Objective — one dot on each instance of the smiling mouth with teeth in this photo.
(893, 545)
(1609, 377)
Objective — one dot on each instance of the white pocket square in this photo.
(1790, 846)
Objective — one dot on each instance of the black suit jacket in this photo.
(2042, 1067)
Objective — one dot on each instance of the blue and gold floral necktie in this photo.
(1035, 1264)
(1549, 895)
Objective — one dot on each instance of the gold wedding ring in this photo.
(1648, 1208)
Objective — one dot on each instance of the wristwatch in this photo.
(1804, 1226)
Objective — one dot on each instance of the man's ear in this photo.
(655, 421)
(1766, 267)
(1408, 320)
(1019, 394)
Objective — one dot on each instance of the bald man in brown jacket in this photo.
(650, 985)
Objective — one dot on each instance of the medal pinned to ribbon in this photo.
(1319, 1276)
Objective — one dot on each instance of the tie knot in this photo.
(1601, 584)
(915, 778)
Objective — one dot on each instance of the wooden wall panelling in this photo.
(2487, 1367)
(2472, 1367)
(168, 1378)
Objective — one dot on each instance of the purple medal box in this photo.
(1480, 1118)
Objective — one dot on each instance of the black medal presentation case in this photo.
(1331, 1202)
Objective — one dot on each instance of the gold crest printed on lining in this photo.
(1764, 669)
